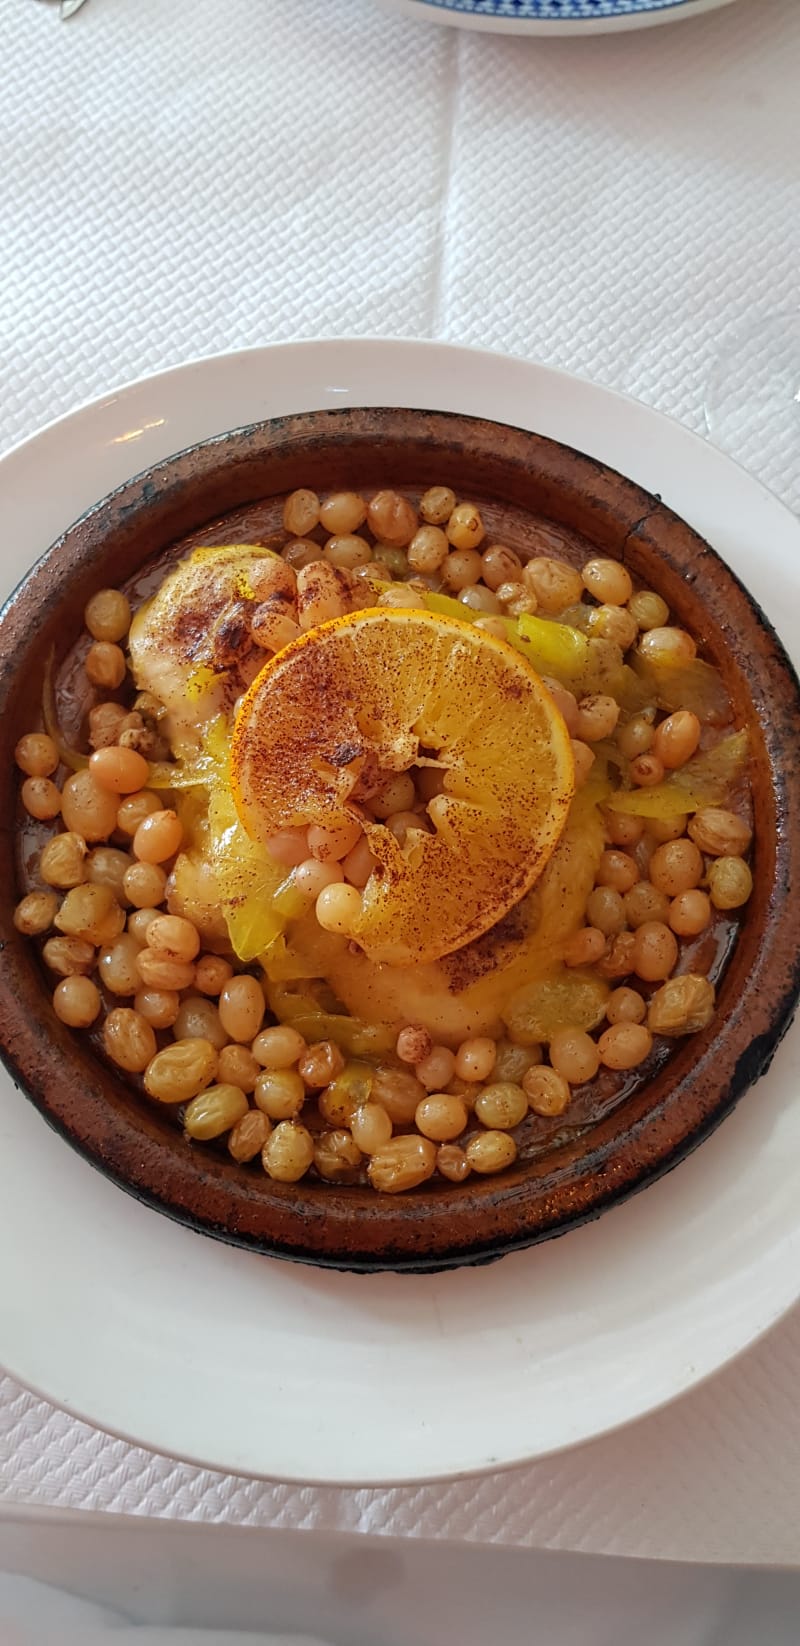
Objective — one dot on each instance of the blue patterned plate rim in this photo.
(563, 11)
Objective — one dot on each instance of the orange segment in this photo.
(379, 691)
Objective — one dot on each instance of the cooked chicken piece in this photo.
(192, 644)
(195, 647)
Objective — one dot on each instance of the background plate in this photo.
(576, 17)
(257, 1367)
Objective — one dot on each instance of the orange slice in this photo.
(364, 696)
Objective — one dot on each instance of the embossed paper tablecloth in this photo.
(182, 179)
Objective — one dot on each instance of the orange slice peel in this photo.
(334, 714)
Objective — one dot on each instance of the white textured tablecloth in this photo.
(181, 179)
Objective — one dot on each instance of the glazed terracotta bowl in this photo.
(232, 488)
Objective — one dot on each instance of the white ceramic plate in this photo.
(255, 1366)
(552, 17)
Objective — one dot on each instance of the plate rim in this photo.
(254, 354)
(442, 12)
(537, 378)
